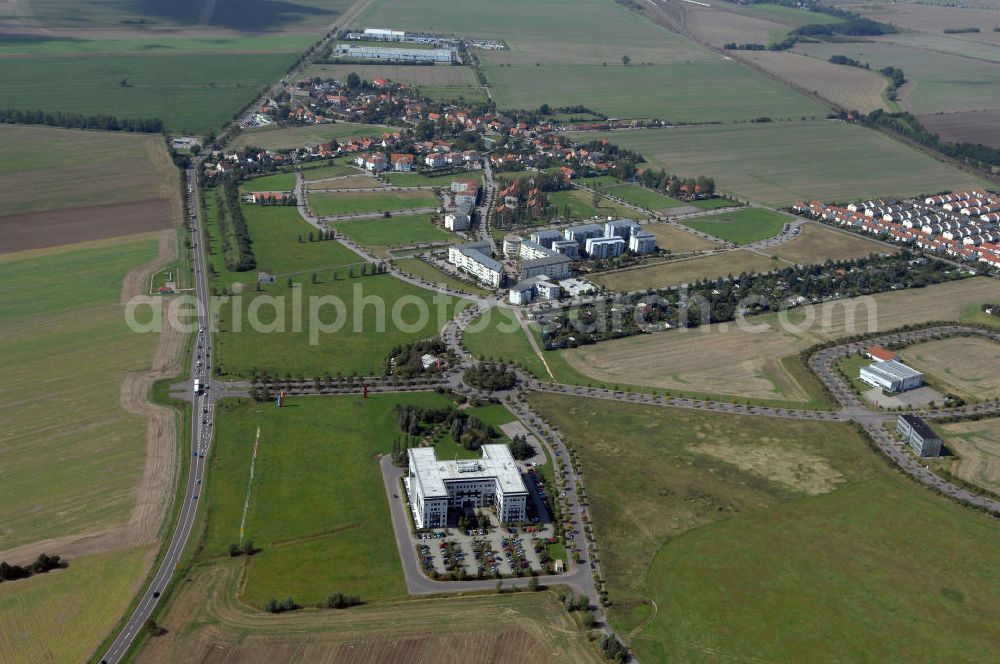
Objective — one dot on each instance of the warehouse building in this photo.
(434, 487)
(387, 54)
(891, 376)
(919, 436)
(475, 259)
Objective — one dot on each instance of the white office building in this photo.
(475, 259)
(642, 242)
(605, 247)
(891, 376)
(434, 487)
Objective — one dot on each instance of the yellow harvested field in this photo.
(816, 243)
(413, 75)
(851, 88)
(745, 359)
(719, 27)
(977, 445)
(687, 270)
(678, 240)
(64, 615)
(970, 366)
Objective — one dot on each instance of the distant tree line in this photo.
(42, 564)
(81, 121)
(490, 377)
(236, 244)
(905, 124)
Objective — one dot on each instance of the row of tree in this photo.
(975, 154)
(81, 121)
(236, 244)
(42, 564)
(490, 377)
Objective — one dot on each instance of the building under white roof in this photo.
(435, 486)
(891, 376)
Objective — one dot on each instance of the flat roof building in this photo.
(434, 486)
(512, 245)
(546, 238)
(621, 228)
(919, 436)
(557, 267)
(393, 54)
(475, 259)
(642, 243)
(891, 376)
(526, 290)
(583, 232)
(605, 247)
(566, 248)
(532, 250)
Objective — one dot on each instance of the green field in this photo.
(454, 94)
(767, 540)
(421, 180)
(382, 232)
(331, 170)
(419, 268)
(55, 44)
(60, 403)
(190, 93)
(497, 335)
(275, 233)
(765, 162)
(317, 507)
(742, 226)
(712, 203)
(326, 205)
(360, 344)
(580, 205)
(277, 138)
(276, 182)
(646, 198)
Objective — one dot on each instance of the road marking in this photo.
(246, 503)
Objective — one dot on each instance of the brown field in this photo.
(678, 240)
(729, 359)
(718, 27)
(934, 19)
(414, 75)
(852, 88)
(969, 366)
(82, 169)
(35, 230)
(206, 624)
(687, 270)
(347, 182)
(972, 126)
(977, 445)
(816, 243)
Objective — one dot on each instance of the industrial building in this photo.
(526, 290)
(919, 436)
(605, 247)
(556, 267)
(475, 259)
(434, 487)
(393, 54)
(891, 376)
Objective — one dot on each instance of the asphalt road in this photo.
(201, 435)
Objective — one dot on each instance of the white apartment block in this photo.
(475, 259)
(434, 486)
(532, 250)
(556, 267)
(642, 243)
(605, 247)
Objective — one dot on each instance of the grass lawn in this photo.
(60, 310)
(419, 268)
(317, 506)
(767, 539)
(446, 447)
(275, 231)
(815, 243)
(678, 240)
(599, 181)
(765, 162)
(382, 232)
(420, 180)
(497, 335)
(274, 137)
(645, 198)
(190, 93)
(711, 203)
(742, 226)
(326, 205)
(276, 182)
(330, 170)
(579, 204)
(686, 270)
(352, 333)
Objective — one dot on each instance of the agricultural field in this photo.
(357, 181)
(96, 185)
(205, 620)
(851, 88)
(360, 320)
(645, 198)
(938, 82)
(765, 163)
(281, 245)
(816, 243)
(971, 126)
(429, 273)
(381, 232)
(678, 240)
(579, 204)
(64, 615)
(497, 334)
(276, 182)
(719, 27)
(274, 137)
(331, 169)
(713, 359)
(685, 271)
(328, 205)
(977, 446)
(933, 18)
(966, 366)
(740, 227)
(692, 510)
(455, 94)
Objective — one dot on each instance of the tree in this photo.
(626, 60)
(533, 584)
(315, 279)
(353, 80)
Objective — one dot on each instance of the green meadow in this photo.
(497, 335)
(363, 202)
(276, 182)
(742, 226)
(646, 198)
(383, 232)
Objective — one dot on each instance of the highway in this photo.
(201, 436)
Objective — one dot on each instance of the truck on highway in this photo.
(197, 386)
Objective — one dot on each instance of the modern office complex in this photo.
(435, 486)
(891, 376)
(918, 435)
